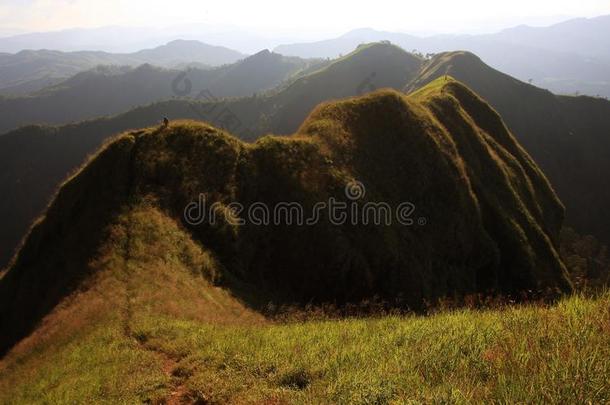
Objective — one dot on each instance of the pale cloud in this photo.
(41, 15)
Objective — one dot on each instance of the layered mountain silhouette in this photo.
(567, 136)
(583, 36)
(112, 90)
(32, 70)
(493, 219)
(34, 160)
(569, 57)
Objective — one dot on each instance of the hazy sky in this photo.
(321, 16)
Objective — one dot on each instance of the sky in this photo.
(314, 17)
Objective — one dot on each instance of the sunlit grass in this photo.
(558, 354)
(99, 365)
(151, 326)
(525, 354)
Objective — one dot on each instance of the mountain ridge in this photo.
(25, 166)
(24, 161)
(118, 89)
(566, 135)
(27, 66)
(506, 248)
(562, 60)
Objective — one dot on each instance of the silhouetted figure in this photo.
(165, 122)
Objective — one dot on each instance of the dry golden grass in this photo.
(149, 326)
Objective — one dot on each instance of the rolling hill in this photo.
(112, 90)
(34, 160)
(461, 163)
(369, 67)
(565, 58)
(31, 70)
(130, 304)
(567, 136)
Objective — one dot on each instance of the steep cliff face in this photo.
(566, 135)
(461, 207)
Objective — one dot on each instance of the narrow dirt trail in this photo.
(179, 394)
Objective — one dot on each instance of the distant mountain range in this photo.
(567, 58)
(121, 39)
(117, 89)
(581, 36)
(32, 70)
(573, 56)
(109, 39)
(566, 135)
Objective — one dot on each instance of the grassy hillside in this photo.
(370, 67)
(34, 160)
(114, 342)
(491, 219)
(114, 299)
(563, 58)
(149, 326)
(92, 348)
(567, 136)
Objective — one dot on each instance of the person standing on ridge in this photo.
(165, 122)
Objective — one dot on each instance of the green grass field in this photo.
(148, 328)
(534, 355)
(527, 354)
